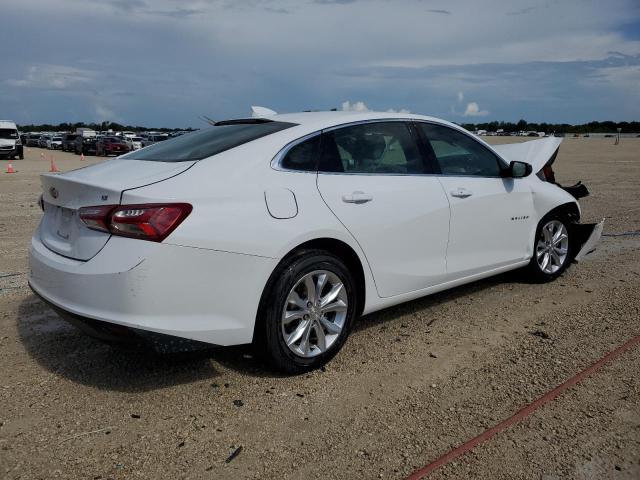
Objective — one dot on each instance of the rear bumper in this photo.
(121, 335)
(191, 293)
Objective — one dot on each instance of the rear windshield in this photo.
(206, 142)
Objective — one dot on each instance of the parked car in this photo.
(151, 139)
(85, 141)
(134, 143)
(85, 145)
(33, 139)
(54, 142)
(10, 142)
(69, 142)
(43, 140)
(282, 230)
(111, 146)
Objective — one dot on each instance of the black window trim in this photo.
(276, 162)
(502, 163)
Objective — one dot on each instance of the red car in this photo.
(111, 146)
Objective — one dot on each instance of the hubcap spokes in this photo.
(552, 247)
(314, 313)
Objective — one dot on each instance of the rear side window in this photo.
(206, 142)
(371, 148)
(458, 154)
(303, 156)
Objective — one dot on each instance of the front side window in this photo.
(206, 142)
(302, 156)
(459, 154)
(371, 148)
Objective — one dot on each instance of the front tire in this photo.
(552, 249)
(306, 312)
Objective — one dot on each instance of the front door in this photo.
(492, 218)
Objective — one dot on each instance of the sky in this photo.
(165, 63)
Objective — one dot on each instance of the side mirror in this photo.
(518, 170)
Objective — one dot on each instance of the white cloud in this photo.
(360, 106)
(229, 63)
(347, 106)
(473, 110)
(52, 76)
(626, 78)
(105, 113)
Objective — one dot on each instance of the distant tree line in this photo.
(523, 125)
(102, 126)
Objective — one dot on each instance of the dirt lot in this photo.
(411, 383)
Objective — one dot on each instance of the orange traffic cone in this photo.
(82, 157)
(41, 156)
(10, 168)
(53, 168)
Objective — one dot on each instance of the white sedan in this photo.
(281, 230)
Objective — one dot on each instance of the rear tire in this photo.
(552, 249)
(306, 312)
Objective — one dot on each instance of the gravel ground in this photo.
(411, 383)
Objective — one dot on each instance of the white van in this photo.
(10, 143)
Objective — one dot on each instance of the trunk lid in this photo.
(63, 195)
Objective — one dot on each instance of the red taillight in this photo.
(152, 222)
(97, 218)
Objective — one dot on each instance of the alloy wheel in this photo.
(314, 313)
(552, 247)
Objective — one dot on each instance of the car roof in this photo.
(332, 118)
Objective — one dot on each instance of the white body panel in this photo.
(403, 226)
(186, 292)
(505, 206)
(205, 280)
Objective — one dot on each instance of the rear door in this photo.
(492, 218)
(373, 178)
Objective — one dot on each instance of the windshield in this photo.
(57, 139)
(206, 142)
(136, 139)
(8, 133)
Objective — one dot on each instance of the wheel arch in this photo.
(340, 249)
(570, 209)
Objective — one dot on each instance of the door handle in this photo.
(461, 193)
(357, 197)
